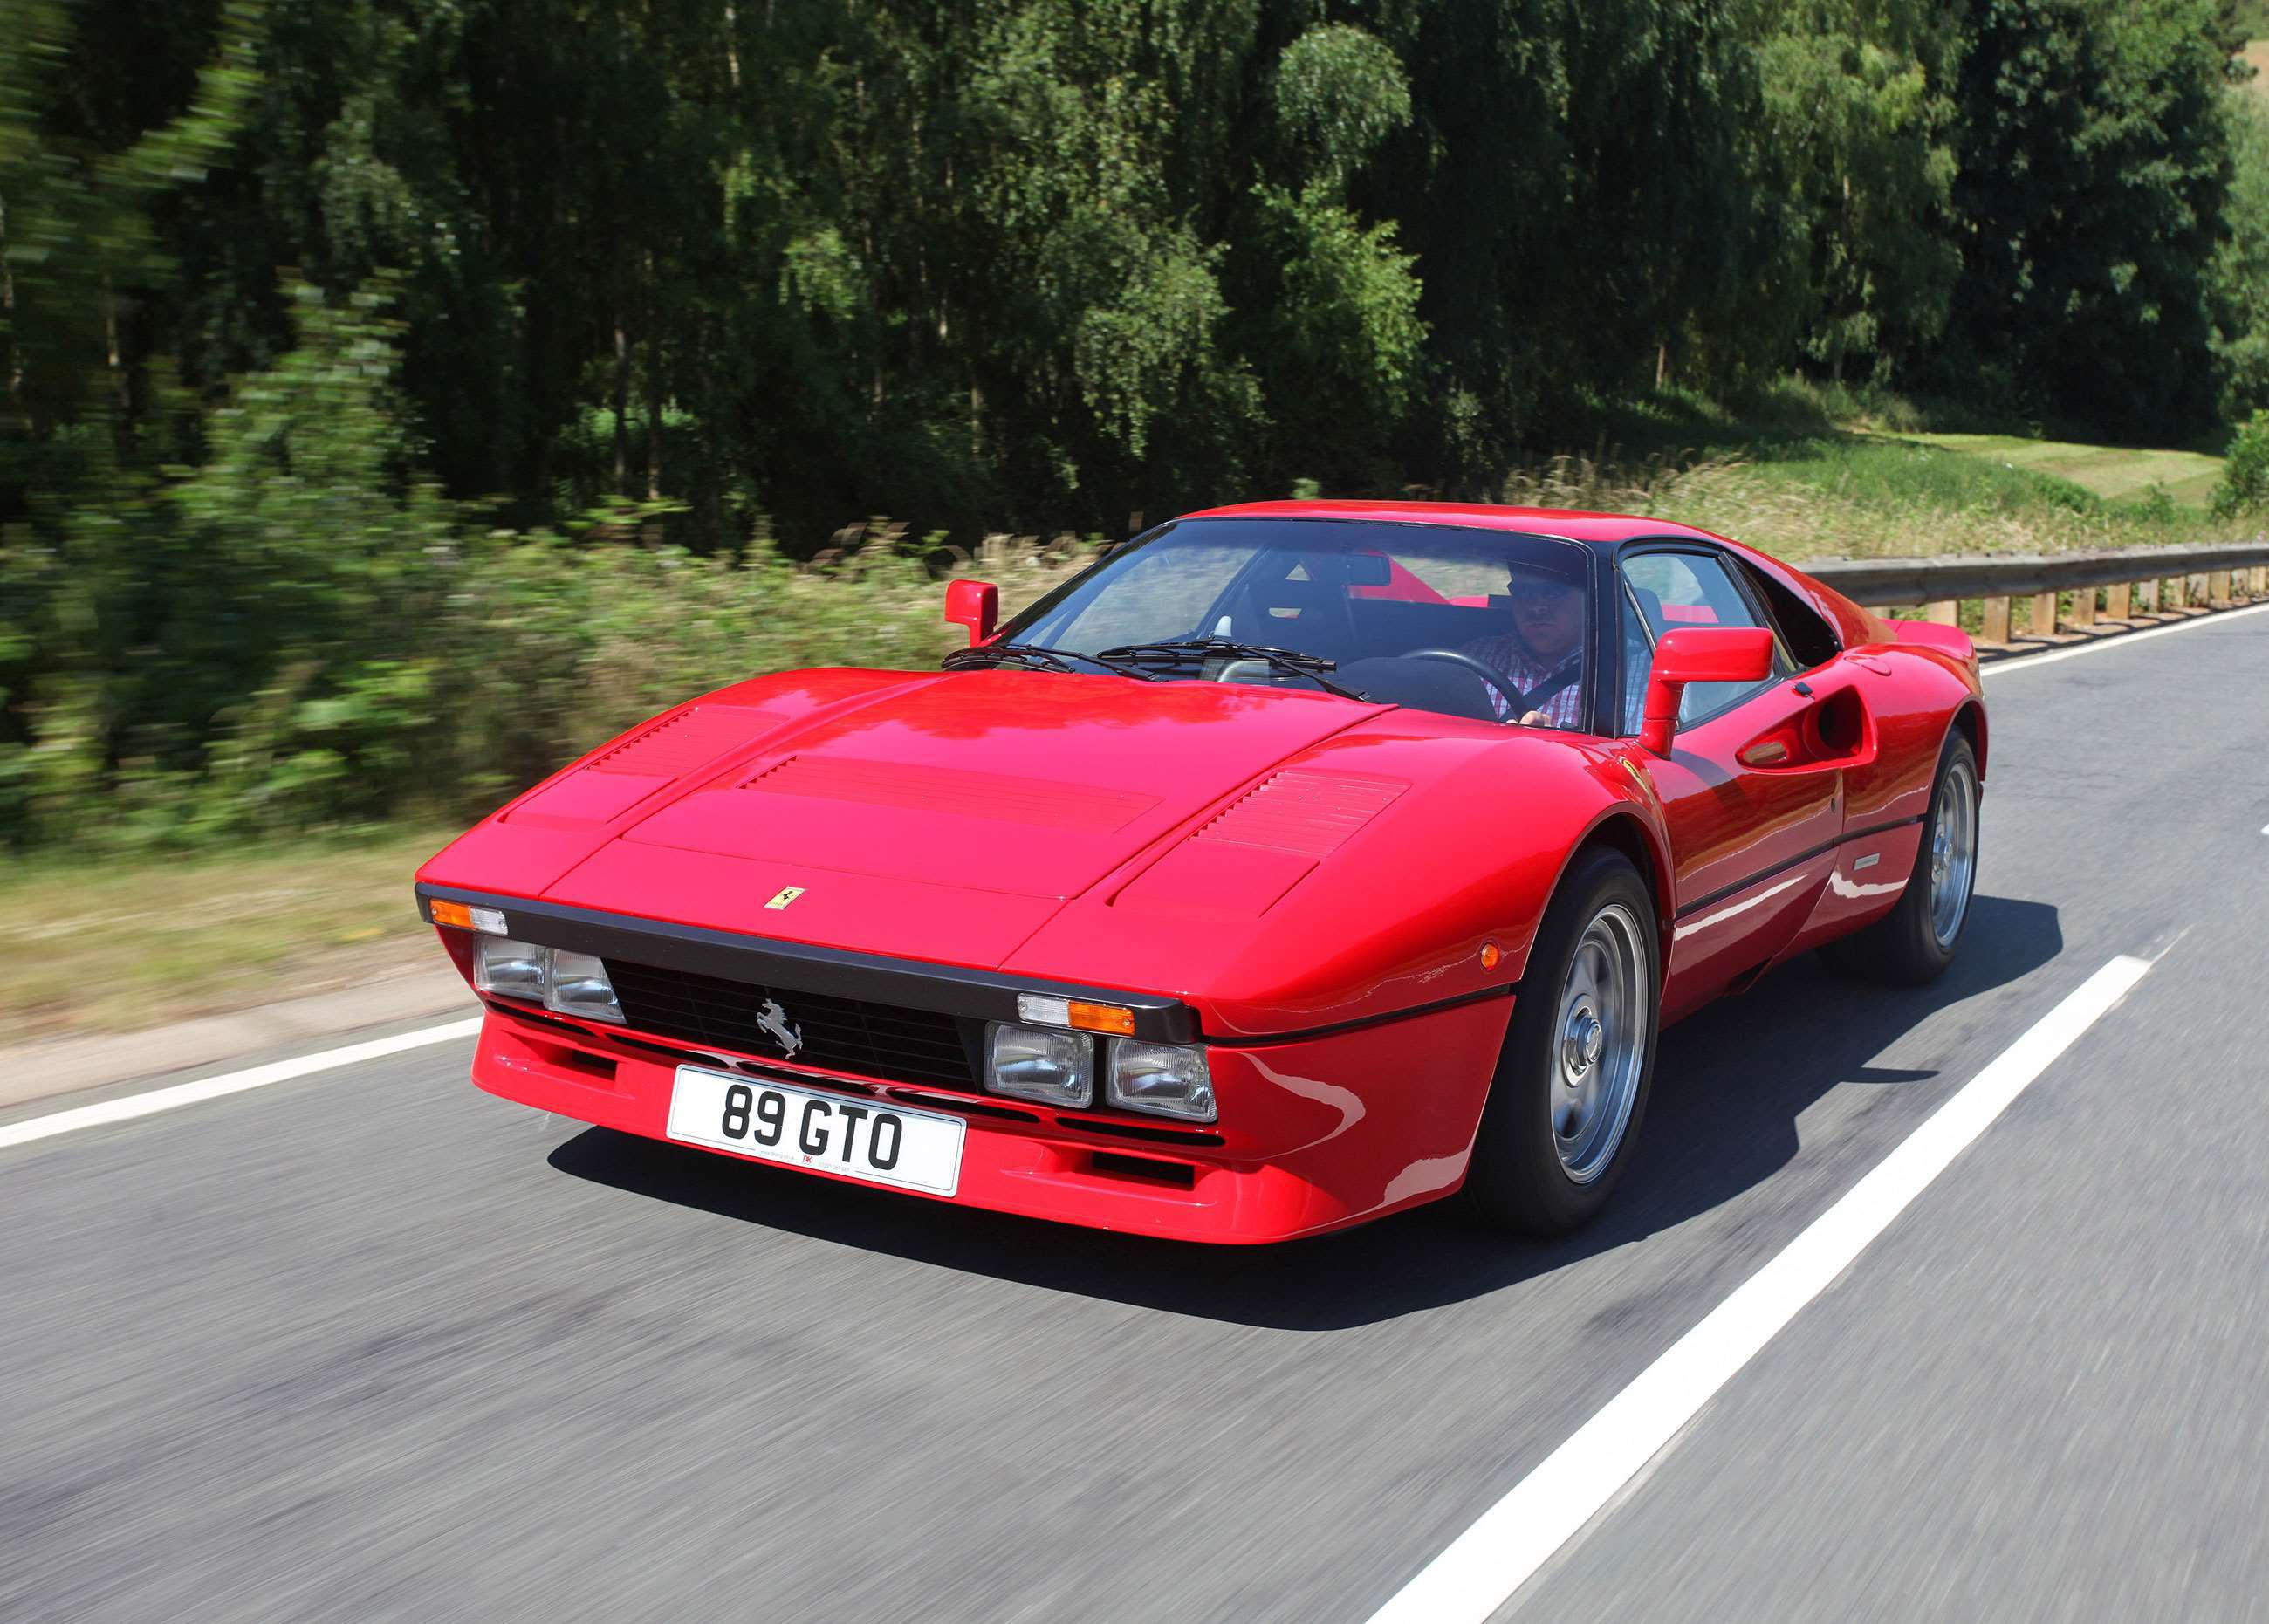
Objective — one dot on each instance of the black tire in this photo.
(1518, 1179)
(1906, 947)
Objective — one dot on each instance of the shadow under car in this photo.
(1729, 1085)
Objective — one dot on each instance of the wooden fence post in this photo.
(2148, 592)
(2043, 620)
(1945, 611)
(2119, 601)
(2083, 606)
(2217, 589)
(1997, 620)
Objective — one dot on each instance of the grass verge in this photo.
(1807, 472)
(113, 945)
(2116, 473)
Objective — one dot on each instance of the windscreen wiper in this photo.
(1033, 656)
(1179, 651)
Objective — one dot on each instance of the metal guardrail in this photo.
(1872, 581)
(2063, 587)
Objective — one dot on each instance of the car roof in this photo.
(1597, 529)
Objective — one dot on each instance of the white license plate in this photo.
(889, 1145)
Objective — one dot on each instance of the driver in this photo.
(1544, 651)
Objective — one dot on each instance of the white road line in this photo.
(1492, 1559)
(2026, 662)
(182, 1094)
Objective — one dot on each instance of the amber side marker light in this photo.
(1492, 955)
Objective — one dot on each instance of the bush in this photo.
(2245, 487)
(301, 633)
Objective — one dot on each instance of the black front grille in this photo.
(839, 1034)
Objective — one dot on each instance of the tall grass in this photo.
(1855, 497)
(613, 635)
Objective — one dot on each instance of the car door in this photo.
(1752, 789)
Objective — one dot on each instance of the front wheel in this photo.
(1572, 1083)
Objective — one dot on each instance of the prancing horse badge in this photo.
(773, 1019)
(787, 894)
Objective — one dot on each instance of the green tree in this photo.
(1859, 115)
(1328, 303)
(2241, 263)
(2094, 173)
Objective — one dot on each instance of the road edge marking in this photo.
(132, 1105)
(1481, 1568)
(2048, 657)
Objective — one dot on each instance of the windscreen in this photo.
(1484, 623)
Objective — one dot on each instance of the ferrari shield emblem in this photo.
(787, 894)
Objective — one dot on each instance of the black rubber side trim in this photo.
(982, 994)
(1724, 891)
(1263, 1039)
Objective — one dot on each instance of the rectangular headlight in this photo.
(576, 984)
(1031, 1063)
(1168, 1080)
(508, 969)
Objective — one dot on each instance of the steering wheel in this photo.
(1488, 673)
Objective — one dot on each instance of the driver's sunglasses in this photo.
(1551, 593)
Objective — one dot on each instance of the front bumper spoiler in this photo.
(1314, 1136)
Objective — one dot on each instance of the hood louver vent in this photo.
(686, 740)
(1307, 813)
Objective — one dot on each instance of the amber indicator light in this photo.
(1492, 955)
(454, 913)
(1103, 1018)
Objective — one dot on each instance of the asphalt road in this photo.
(371, 1344)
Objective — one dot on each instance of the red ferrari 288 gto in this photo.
(1297, 863)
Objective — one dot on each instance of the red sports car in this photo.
(1297, 863)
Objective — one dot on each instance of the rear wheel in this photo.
(1915, 941)
(1572, 1083)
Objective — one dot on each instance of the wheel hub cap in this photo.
(1953, 854)
(1604, 1026)
(1580, 1049)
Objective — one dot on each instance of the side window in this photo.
(1808, 638)
(1675, 589)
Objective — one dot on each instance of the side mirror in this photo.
(975, 604)
(1698, 654)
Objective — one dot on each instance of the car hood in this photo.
(939, 816)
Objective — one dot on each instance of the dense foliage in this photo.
(350, 342)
